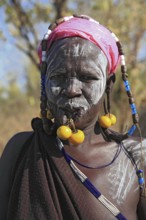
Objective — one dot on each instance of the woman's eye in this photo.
(87, 78)
(57, 77)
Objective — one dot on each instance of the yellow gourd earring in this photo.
(64, 132)
(69, 132)
(107, 120)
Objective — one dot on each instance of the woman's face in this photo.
(75, 81)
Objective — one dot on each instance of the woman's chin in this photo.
(79, 119)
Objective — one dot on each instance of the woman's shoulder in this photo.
(7, 163)
(15, 143)
(12, 150)
(134, 143)
(136, 147)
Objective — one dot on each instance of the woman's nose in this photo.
(73, 88)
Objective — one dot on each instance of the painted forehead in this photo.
(75, 47)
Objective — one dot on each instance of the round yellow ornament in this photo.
(105, 121)
(64, 132)
(77, 137)
(112, 118)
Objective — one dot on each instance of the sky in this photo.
(12, 60)
(9, 55)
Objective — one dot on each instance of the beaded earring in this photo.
(135, 117)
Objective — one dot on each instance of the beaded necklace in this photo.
(87, 183)
(89, 167)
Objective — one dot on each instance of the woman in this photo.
(72, 166)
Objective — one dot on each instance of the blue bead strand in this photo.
(133, 108)
(131, 130)
(127, 86)
(140, 177)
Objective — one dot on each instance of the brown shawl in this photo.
(43, 186)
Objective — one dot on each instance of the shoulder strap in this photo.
(86, 182)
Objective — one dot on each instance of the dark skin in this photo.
(76, 80)
(72, 84)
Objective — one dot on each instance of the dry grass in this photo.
(12, 124)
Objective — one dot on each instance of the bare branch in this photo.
(60, 7)
(29, 54)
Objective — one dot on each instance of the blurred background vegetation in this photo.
(25, 21)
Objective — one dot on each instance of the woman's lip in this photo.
(70, 110)
(73, 113)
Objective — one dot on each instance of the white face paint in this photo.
(56, 90)
(121, 180)
(123, 176)
(75, 51)
(76, 80)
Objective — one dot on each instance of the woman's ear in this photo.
(111, 80)
(109, 84)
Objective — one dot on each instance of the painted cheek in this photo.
(52, 89)
(96, 92)
(102, 88)
(55, 90)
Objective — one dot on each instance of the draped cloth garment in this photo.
(43, 185)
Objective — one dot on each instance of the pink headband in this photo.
(90, 30)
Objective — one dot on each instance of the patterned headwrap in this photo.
(91, 30)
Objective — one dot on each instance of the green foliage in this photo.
(32, 81)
